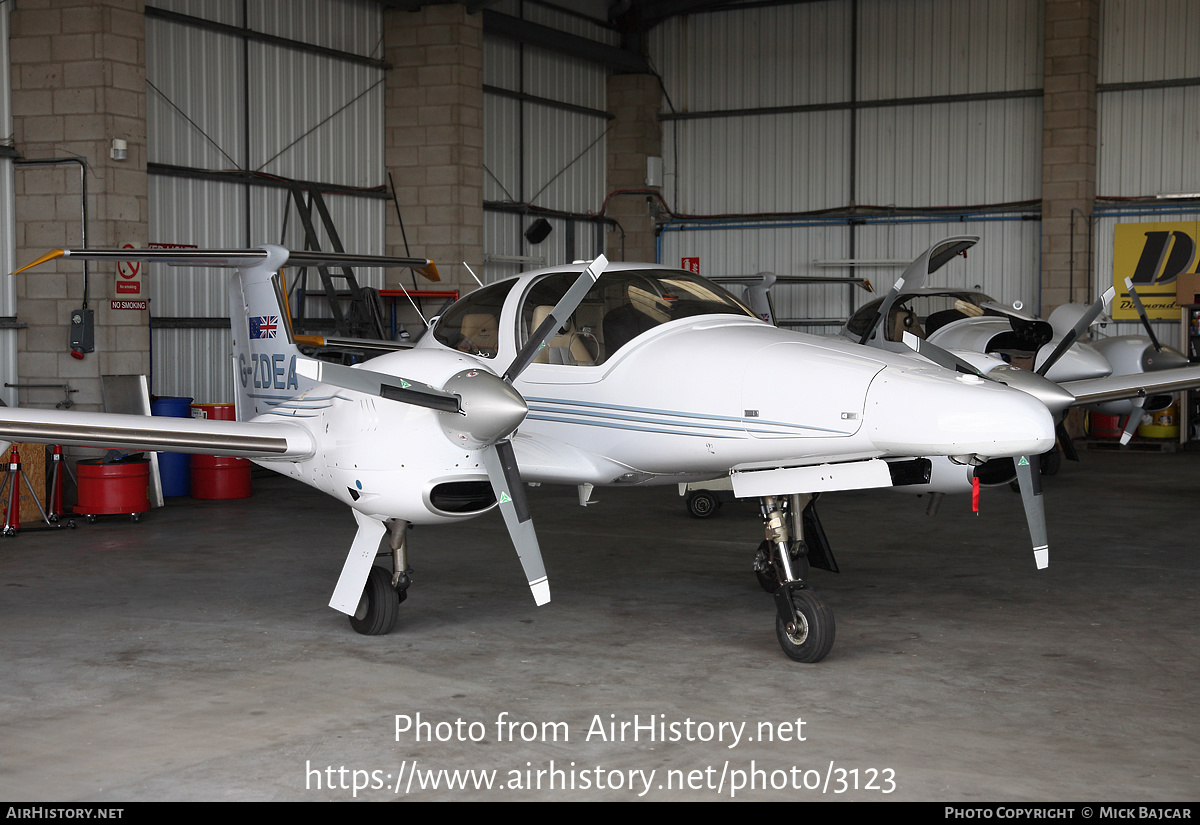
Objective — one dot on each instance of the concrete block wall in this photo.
(433, 136)
(634, 101)
(78, 77)
(1069, 147)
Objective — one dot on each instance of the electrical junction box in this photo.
(83, 330)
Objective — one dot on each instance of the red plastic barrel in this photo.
(219, 476)
(1104, 426)
(108, 489)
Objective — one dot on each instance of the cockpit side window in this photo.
(618, 308)
(472, 325)
(861, 320)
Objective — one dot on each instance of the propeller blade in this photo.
(1029, 477)
(939, 356)
(886, 307)
(1141, 311)
(1077, 331)
(556, 319)
(375, 383)
(1135, 418)
(1064, 441)
(501, 464)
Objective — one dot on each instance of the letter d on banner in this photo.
(1165, 256)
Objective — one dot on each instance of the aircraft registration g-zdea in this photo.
(590, 375)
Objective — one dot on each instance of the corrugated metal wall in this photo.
(546, 156)
(913, 105)
(1149, 122)
(805, 125)
(310, 117)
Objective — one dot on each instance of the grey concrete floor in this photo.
(192, 657)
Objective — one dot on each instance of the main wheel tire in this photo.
(701, 504)
(379, 606)
(768, 573)
(813, 639)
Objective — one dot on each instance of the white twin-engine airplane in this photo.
(590, 375)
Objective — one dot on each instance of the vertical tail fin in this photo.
(264, 349)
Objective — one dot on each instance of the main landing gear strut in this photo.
(379, 607)
(804, 622)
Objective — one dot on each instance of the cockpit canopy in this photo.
(619, 307)
(920, 313)
(925, 312)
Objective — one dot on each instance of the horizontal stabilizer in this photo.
(142, 432)
(350, 343)
(861, 283)
(240, 258)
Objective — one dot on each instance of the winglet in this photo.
(49, 256)
(430, 271)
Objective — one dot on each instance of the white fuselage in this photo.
(690, 399)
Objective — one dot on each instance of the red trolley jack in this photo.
(13, 476)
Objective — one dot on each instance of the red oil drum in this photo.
(108, 489)
(1104, 426)
(219, 476)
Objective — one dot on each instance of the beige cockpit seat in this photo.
(568, 346)
(480, 334)
(905, 320)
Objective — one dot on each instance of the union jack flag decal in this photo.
(264, 326)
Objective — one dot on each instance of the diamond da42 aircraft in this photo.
(589, 375)
(965, 329)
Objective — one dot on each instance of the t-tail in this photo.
(265, 355)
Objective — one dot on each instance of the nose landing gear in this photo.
(804, 621)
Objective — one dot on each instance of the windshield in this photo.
(473, 324)
(618, 308)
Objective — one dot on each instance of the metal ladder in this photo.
(357, 311)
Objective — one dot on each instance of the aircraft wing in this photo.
(277, 440)
(1114, 387)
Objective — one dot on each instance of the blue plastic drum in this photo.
(175, 469)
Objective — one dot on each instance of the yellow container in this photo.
(1162, 424)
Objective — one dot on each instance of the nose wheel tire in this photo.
(810, 638)
(379, 607)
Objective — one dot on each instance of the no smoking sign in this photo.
(129, 276)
